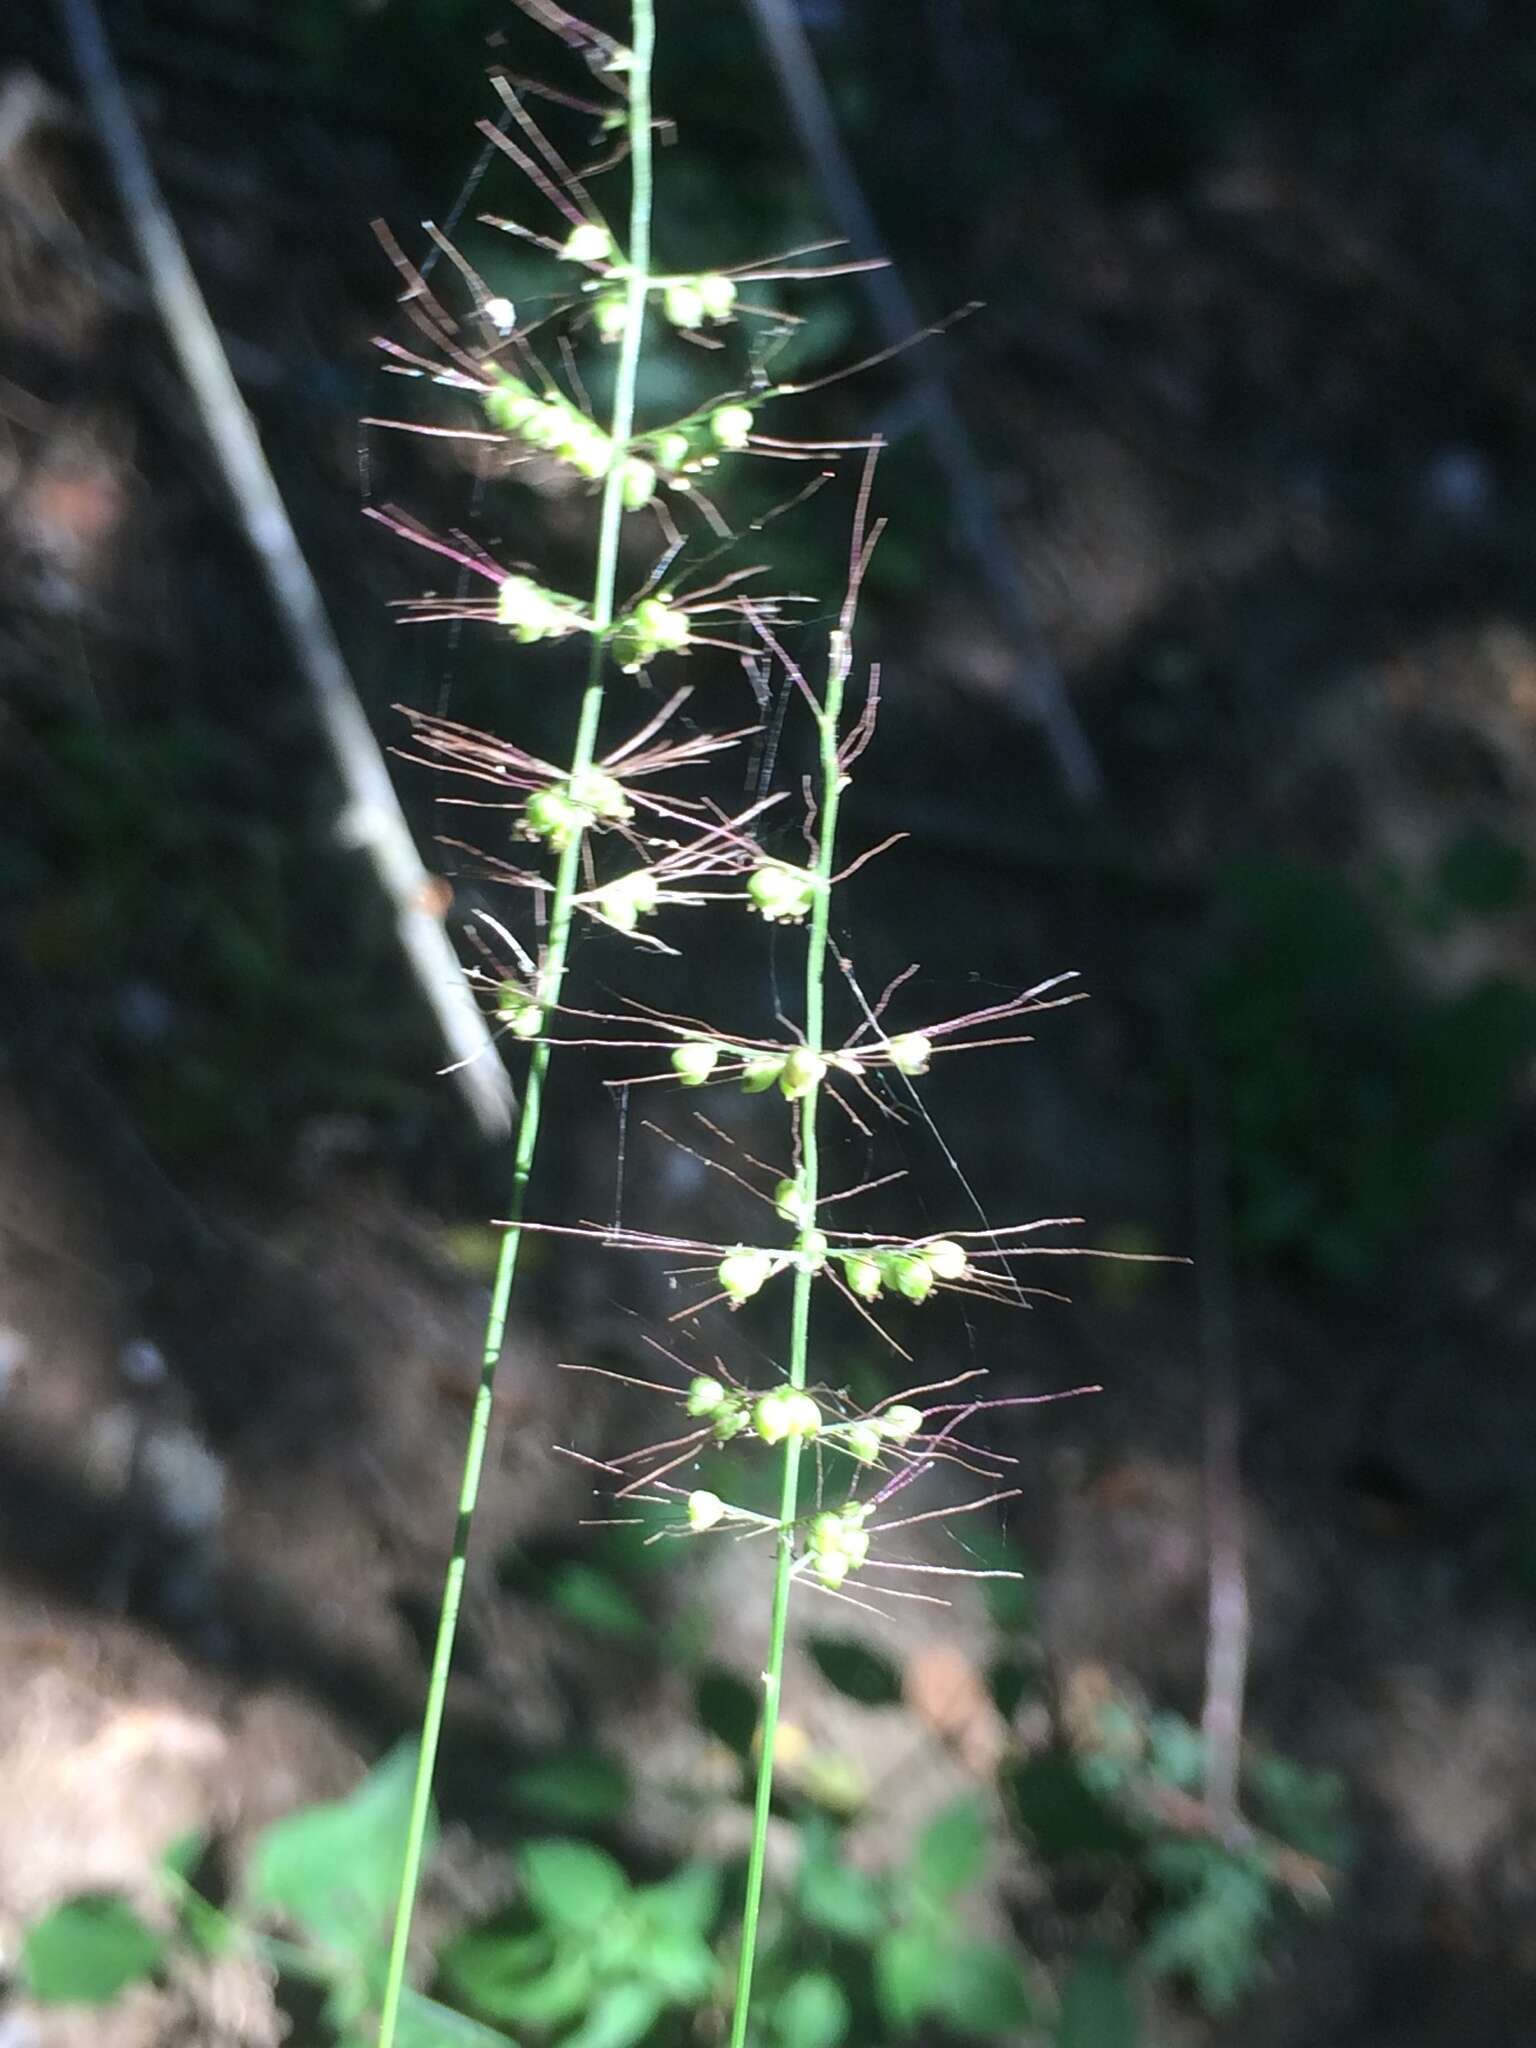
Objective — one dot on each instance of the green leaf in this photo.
(571, 1885)
(1098, 2009)
(594, 1599)
(909, 1976)
(423, 2023)
(680, 1966)
(688, 1902)
(984, 1990)
(1063, 1815)
(580, 1786)
(620, 2016)
(952, 1848)
(1215, 1941)
(834, 1897)
(86, 1950)
(333, 1869)
(521, 1979)
(727, 1706)
(180, 1858)
(856, 1670)
(811, 2012)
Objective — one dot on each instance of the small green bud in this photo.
(780, 893)
(704, 1509)
(862, 1441)
(784, 1412)
(625, 901)
(899, 1423)
(694, 1061)
(589, 243)
(812, 1252)
(510, 404)
(910, 1053)
(550, 815)
(862, 1276)
(730, 425)
(534, 613)
(654, 627)
(638, 486)
(717, 294)
(945, 1259)
(789, 1203)
(519, 1011)
(731, 1418)
(683, 303)
(601, 794)
(907, 1273)
(743, 1273)
(760, 1072)
(610, 316)
(802, 1070)
(705, 1395)
(670, 450)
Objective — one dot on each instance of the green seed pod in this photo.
(589, 243)
(705, 1395)
(704, 1509)
(802, 1070)
(789, 1203)
(761, 1071)
(602, 795)
(862, 1441)
(639, 484)
(550, 815)
(625, 901)
(716, 294)
(669, 450)
(812, 1252)
(534, 613)
(907, 1273)
(771, 1417)
(910, 1053)
(731, 1418)
(731, 425)
(743, 1273)
(899, 1423)
(695, 1060)
(683, 303)
(653, 627)
(610, 316)
(780, 893)
(803, 1413)
(519, 1011)
(945, 1259)
(862, 1276)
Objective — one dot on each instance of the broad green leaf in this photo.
(856, 1670)
(524, 1982)
(87, 1950)
(1098, 2007)
(594, 1599)
(333, 1869)
(1216, 1939)
(909, 1976)
(688, 1902)
(423, 2023)
(581, 1786)
(812, 2012)
(985, 1990)
(952, 1848)
(728, 1707)
(1062, 1814)
(572, 1885)
(834, 1897)
(680, 1966)
(620, 2016)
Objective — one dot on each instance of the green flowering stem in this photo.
(806, 1191)
(551, 980)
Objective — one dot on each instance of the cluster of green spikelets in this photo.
(620, 848)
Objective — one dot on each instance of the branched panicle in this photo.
(617, 834)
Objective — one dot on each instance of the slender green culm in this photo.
(551, 979)
(806, 1195)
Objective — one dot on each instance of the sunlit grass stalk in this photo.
(807, 1187)
(551, 980)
